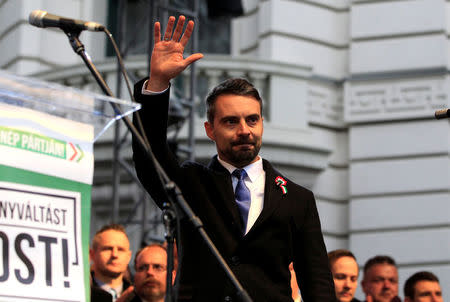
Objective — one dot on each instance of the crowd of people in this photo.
(380, 280)
(112, 281)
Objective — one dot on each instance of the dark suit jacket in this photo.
(288, 228)
(100, 295)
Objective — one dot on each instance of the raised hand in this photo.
(167, 57)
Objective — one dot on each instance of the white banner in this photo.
(42, 255)
(46, 168)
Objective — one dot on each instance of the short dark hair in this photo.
(233, 86)
(333, 256)
(113, 226)
(380, 259)
(409, 290)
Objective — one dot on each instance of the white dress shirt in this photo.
(255, 181)
(144, 91)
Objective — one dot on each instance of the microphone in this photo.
(41, 18)
(442, 113)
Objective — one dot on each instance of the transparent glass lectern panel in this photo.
(62, 101)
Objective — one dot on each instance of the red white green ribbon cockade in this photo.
(281, 182)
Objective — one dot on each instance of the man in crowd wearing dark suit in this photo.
(259, 220)
(110, 254)
(345, 274)
(423, 287)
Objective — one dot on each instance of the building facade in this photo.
(350, 89)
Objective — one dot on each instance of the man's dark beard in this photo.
(242, 158)
(153, 292)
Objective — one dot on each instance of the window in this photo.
(214, 33)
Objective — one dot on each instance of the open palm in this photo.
(167, 60)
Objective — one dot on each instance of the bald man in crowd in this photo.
(110, 254)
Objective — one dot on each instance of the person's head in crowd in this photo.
(380, 280)
(110, 254)
(345, 274)
(151, 272)
(423, 287)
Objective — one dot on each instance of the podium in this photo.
(47, 133)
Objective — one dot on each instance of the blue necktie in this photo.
(242, 195)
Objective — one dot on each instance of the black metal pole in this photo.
(169, 217)
(193, 88)
(116, 151)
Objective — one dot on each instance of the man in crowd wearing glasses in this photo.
(150, 279)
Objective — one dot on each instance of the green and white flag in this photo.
(46, 170)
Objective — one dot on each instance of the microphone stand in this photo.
(173, 192)
(169, 219)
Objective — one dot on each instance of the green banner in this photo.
(32, 142)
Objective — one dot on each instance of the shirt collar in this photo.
(253, 170)
(106, 287)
